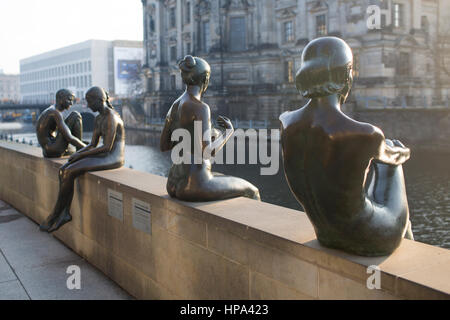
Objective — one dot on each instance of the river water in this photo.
(426, 174)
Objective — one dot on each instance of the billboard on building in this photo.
(127, 69)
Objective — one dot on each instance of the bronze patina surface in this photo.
(54, 133)
(194, 181)
(347, 176)
(109, 155)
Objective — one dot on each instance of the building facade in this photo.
(9, 88)
(254, 48)
(77, 67)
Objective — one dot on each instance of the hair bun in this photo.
(188, 63)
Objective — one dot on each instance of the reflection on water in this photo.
(427, 182)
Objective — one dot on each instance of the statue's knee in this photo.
(254, 192)
(74, 116)
(390, 143)
(63, 174)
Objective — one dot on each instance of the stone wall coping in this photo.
(415, 270)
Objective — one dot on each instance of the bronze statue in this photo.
(110, 155)
(194, 181)
(54, 133)
(347, 176)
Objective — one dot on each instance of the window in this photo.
(151, 24)
(355, 65)
(424, 23)
(237, 34)
(187, 18)
(403, 64)
(172, 18)
(173, 53)
(288, 31)
(321, 25)
(205, 36)
(398, 15)
(289, 71)
(187, 48)
(173, 82)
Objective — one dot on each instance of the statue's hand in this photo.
(397, 143)
(224, 123)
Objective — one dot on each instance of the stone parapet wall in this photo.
(234, 249)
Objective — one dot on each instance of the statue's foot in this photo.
(47, 224)
(44, 227)
(63, 219)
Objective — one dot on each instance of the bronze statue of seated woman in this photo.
(54, 133)
(109, 155)
(193, 180)
(347, 176)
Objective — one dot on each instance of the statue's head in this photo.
(96, 97)
(65, 98)
(326, 69)
(195, 71)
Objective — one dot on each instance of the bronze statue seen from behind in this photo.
(54, 133)
(347, 176)
(194, 181)
(110, 155)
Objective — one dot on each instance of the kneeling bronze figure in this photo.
(347, 176)
(110, 155)
(54, 133)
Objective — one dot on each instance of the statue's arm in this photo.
(94, 143)
(166, 142)
(65, 131)
(94, 140)
(211, 147)
(108, 139)
(388, 152)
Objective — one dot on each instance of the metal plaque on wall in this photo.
(115, 204)
(141, 215)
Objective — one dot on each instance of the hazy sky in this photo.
(30, 27)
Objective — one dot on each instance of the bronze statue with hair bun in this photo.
(194, 181)
(110, 155)
(347, 176)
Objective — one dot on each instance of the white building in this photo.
(77, 67)
(9, 87)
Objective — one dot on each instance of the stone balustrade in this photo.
(234, 249)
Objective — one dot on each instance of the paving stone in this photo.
(6, 274)
(12, 290)
(50, 283)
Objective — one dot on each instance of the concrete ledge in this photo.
(234, 249)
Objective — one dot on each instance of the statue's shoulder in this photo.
(290, 118)
(193, 107)
(49, 109)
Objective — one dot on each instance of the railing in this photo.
(380, 102)
(250, 124)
